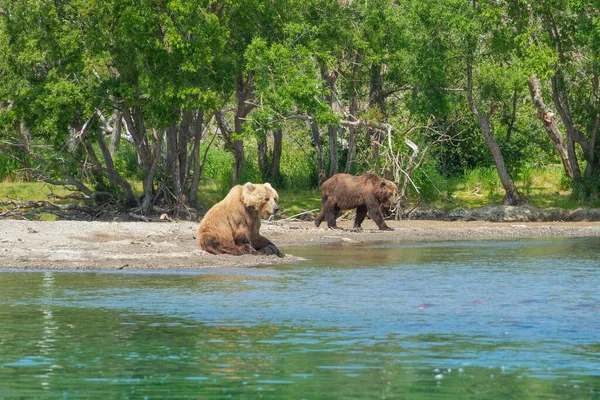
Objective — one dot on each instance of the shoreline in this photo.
(82, 245)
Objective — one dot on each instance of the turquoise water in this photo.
(470, 319)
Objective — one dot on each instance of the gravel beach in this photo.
(79, 245)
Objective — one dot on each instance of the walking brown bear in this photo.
(367, 193)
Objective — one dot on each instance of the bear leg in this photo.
(319, 219)
(361, 213)
(331, 215)
(375, 214)
(265, 246)
(220, 247)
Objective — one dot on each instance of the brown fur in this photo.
(232, 225)
(367, 193)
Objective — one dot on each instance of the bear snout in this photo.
(275, 209)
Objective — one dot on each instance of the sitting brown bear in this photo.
(366, 193)
(232, 225)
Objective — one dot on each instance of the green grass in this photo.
(30, 191)
(292, 202)
(542, 186)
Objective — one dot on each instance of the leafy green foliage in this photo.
(63, 63)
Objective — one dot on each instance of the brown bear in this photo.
(232, 225)
(367, 193)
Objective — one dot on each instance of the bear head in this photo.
(387, 193)
(262, 197)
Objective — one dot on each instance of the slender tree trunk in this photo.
(262, 155)
(592, 169)
(26, 143)
(115, 138)
(376, 100)
(113, 174)
(332, 131)
(353, 110)
(589, 186)
(148, 182)
(147, 157)
(329, 78)
(233, 145)
(512, 196)
(177, 139)
(244, 92)
(564, 149)
(239, 158)
(172, 162)
(182, 146)
(316, 136)
(110, 172)
(352, 134)
(197, 131)
(137, 128)
(93, 161)
(274, 172)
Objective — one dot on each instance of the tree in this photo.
(490, 59)
(565, 41)
(145, 65)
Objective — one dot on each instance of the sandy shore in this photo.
(171, 245)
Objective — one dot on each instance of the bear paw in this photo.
(271, 250)
(248, 249)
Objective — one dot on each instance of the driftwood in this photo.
(293, 217)
(147, 219)
(15, 209)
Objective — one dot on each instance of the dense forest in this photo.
(146, 102)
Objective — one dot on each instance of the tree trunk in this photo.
(352, 134)
(114, 176)
(592, 168)
(274, 174)
(329, 78)
(565, 151)
(26, 143)
(262, 155)
(134, 121)
(172, 162)
(182, 146)
(197, 131)
(588, 184)
(512, 196)
(147, 158)
(316, 135)
(148, 182)
(332, 131)
(115, 137)
(244, 90)
(239, 158)
(376, 100)
(235, 146)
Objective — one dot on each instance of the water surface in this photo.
(467, 319)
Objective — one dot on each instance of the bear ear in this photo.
(382, 184)
(268, 185)
(249, 186)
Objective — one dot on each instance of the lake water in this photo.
(466, 319)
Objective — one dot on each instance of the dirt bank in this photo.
(171, 245)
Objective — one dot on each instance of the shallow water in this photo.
(468, 319)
